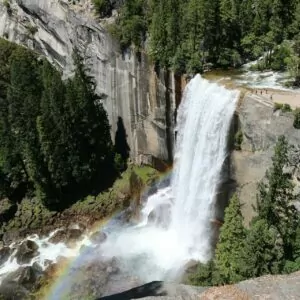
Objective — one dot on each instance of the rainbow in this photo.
(63, 277)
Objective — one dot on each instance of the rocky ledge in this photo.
(267, 287)
(261, 126)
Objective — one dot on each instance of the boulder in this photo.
(98, 237)
(11, 290)
(26, 277)
(5, 253)
(26, 252)
(66, 236)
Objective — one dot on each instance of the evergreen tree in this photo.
(231, 244)
(55, 135)
(275, 198)
(23, 99)
(263, 252)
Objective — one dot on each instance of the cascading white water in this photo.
(175, 225)
(176, 221)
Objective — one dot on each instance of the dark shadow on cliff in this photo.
(154, 288)
(227, 186)
(121, 145)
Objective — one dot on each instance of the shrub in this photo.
(32, 29)
(103, 7)
(120, 164)
(8, 7)
(297, 118)
(283, 107)
(286, 108)
(204, 275)
(277, 106)
(238, 139)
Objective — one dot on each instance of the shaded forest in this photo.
(55, 138)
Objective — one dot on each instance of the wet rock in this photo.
(160, 216)
(74, 234)
(98, 237)
(37, 268)
(26, 252)
(47, 262)
(10, 236)
(10, 290)
(68, 235)
(5, 252)
(24, 276)
(112, 267)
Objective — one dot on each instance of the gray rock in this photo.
(26, 252)
(98, 237)
(5, 253)
(261, 129)
(10, 290)
(130, 87)
(25, 276)
(66, 236)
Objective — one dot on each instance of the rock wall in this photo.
(134, 95)
(261, 127)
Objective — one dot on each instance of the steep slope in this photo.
(261, 126)
(134, 96)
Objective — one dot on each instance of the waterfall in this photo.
(176, 221)
(175, 225)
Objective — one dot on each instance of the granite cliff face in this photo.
(134, 95)
(261, 127)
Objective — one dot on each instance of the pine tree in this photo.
(231, 244)
(275, 198)
(263, 252)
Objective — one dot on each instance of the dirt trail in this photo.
(277, 96)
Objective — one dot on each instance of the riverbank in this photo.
(36, 242)
(31, 216)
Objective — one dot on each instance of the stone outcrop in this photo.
(26, 252)
(261, 126)
(134, 95)
(267, 287)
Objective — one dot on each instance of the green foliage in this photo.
(277, 106)
(231, 244)
(286, 108)
(238, 139)
(263, 252)
(103, 7)
(204, 275)
(120, 164)
(272, 243)
(186, 35)
(275, 198)
(131, 25)
(55, 135)
(7, 6)
(297, 118)
(32, 29)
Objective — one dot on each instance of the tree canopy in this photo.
(188, 35)
(54, 135)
